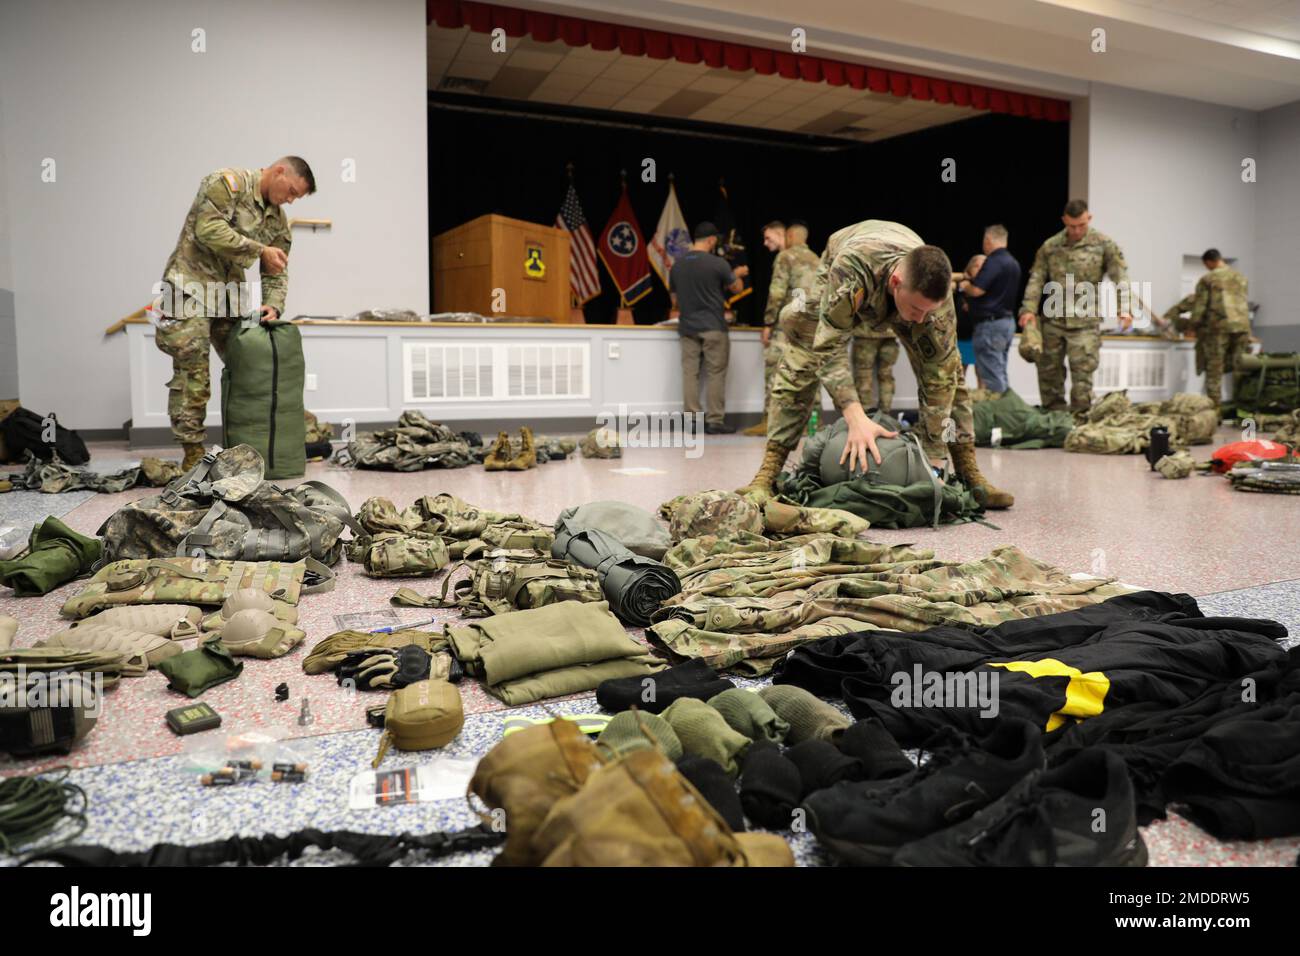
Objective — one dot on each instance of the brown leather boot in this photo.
(499, 455)
(758, 429)
(194, 452)
(968, 470)
(764, 481)
(527, 457)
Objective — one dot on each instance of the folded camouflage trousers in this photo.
(728, 628)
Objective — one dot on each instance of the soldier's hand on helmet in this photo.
(383, 668)
(274, 260)
(863, 433)
(1026, 318)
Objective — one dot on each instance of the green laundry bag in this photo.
(55, 555)
(261, 395)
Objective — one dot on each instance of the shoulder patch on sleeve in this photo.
(232, 181)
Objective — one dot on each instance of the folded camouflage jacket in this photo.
(738, 610)
(416, 443)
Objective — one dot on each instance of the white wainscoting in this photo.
(359, 372)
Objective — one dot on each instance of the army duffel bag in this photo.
(224, 510)
(261, 395)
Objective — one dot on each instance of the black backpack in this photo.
(24, 430)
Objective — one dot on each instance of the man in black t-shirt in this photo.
(699, 282)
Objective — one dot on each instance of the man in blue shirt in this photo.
(699, 283)
(992, 296)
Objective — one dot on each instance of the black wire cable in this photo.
(33, 808)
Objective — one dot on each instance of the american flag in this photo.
(584, 279)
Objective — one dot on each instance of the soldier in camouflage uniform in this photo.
(793, 276)
(1220, 314)
(880, 274)
(1076, 259)
(235, 220)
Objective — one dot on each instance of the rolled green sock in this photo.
(809, 717)
(628, 731)
(747, 713)
(704, 733)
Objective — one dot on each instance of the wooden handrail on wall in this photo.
(120, 324)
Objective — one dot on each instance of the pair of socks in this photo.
(655, 693)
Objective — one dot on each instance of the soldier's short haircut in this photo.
(997, 233)
(796, 234)
(774, 224)
(1076, 208)
(300, 168)
(926, 270)
(1211, 255)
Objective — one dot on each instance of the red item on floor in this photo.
(1224, 458)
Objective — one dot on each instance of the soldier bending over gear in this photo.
(876, 273)
(235, 220)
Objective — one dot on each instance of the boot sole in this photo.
(858, 854)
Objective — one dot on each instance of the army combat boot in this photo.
(527, 457)
(763, 483)
(193, 454)
(498, 456)
(968, 470)
(758, 429)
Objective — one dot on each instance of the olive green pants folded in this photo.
(56, 554)
(506, 647)
(573, 680)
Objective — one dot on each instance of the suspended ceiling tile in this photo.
(515, 83)
(685, 103)
(534, 59)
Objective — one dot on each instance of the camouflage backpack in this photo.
(508, 581)
(223, 509)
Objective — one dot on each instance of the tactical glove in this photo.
(384, 668)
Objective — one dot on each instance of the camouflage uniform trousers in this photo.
(788, 421)
(772, 353)
(873, 362)
(187, 341)
(1220, 350)
(1082, 347)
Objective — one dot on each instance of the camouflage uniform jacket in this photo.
(1087, 261)
(227, 227)
(854, 277)
(1219, 302)
(795, 268)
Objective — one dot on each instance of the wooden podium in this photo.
(527, 262)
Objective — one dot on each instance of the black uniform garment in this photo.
(1228, 759)
(1144, 674)
(1147, 648)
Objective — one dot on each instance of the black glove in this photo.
(382, 668)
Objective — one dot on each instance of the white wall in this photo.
(1278, 251)
(1164, 181)
(134, 119)
(8, 332)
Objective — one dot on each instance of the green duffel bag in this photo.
(261, 395)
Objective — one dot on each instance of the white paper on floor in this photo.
(443, 778)
(637, 472)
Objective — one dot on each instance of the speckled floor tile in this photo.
(1080, 512)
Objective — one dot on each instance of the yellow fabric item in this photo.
(1085, 695)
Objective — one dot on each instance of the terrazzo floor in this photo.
(1094, 514)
